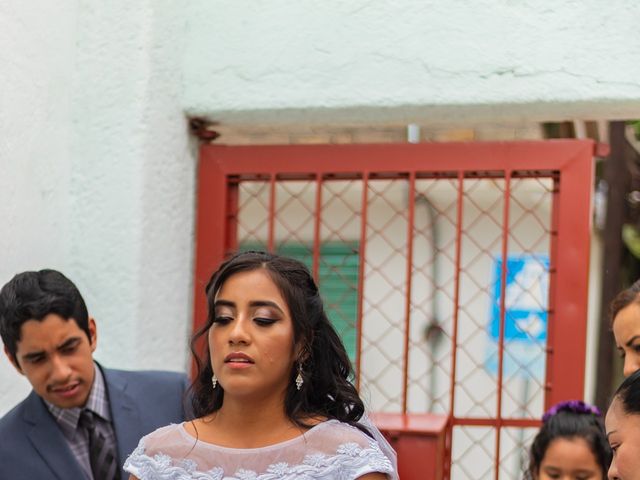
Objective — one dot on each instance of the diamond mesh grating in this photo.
(298, 224)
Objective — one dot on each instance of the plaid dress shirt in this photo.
(78, 438)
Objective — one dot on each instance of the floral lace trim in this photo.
(349, 459)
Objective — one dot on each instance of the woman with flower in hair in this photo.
(272, 396)
(571, 444)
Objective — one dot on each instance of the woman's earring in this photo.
(299, 379)
(214, 381)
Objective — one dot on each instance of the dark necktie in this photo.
(102, 456)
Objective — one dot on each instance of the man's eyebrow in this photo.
(68, 343)
(611, 433)
(33, 355)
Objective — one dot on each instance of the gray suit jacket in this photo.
(32, 446)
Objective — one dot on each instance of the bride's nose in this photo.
(239, 333)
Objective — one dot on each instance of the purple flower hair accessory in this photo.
(575, 406)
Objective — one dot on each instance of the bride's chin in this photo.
(248, 390)
(237, 388)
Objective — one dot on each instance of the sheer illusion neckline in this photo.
(266, 448)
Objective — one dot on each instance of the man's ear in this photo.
(93, 334)
(13, 360)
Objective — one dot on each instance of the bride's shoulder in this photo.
(160, 450)
(353, 448)
(172, 429)
(192, 427)
(342, 432)
(171, 440)
(171, 434)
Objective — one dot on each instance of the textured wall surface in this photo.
(96, 169)
(132, 180)
(97, 172)
(35, 129)
(415, 60)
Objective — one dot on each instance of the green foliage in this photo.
(631, 238)
(636, 128)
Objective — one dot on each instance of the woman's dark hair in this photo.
(568, 422)
(326, 369)
(623, 299)
(629, 393)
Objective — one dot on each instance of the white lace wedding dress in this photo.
(329, 450)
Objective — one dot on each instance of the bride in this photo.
(272, 395)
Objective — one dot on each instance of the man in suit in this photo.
(81, 420)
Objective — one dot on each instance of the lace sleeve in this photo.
(384, 445)
(354, 461)
(349, 453)
(163, 467)
(135, 460)
(153, 457)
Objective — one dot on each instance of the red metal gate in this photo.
(428, 232)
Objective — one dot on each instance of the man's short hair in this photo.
(33, 296)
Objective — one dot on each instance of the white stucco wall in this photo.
(423, 61)
(97, 172)
(36, 58)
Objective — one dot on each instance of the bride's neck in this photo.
(257, 419)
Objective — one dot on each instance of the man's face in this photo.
(56, 357)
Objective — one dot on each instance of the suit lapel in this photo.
(48, 440)
(124, 413)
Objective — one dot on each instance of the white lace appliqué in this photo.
(349, 459)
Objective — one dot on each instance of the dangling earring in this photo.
(214, 381)
(299, 379)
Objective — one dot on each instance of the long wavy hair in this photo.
(327, 391)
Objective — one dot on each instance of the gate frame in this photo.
(568, 162)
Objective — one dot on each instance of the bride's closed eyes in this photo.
(261, 321)
(262, 316)
(265, 320)
(222, 319)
